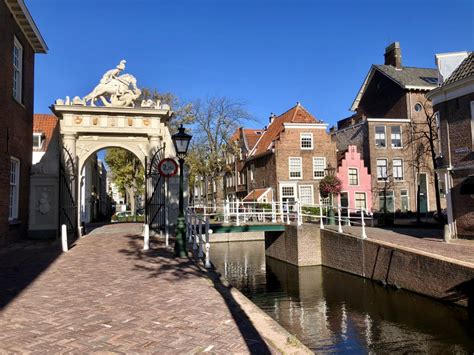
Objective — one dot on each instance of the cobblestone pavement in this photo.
(107, 295)
(427, 240)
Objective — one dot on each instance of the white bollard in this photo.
(146, 237)
(364, 235)
(207, 263)
(64, 238)
(321, 224)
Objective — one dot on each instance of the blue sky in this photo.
(268, 54)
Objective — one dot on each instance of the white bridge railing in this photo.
(197, 233)
(239, 212)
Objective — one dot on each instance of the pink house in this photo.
(356, 190)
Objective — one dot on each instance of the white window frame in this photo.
(391, 137)
(306, 135)
(355, 199)
(300, 199)
(384, 136)
(293, 186)
(319, 170)
(395, 176)
(17, 70)
(294, 170)
(380, 177)
(14, 196)
(472, 124)
(349, 176)
(40, 136)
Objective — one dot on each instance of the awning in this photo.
(467, 186)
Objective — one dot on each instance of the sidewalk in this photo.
(107, 295)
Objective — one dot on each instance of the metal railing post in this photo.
(64, 238)
(339, 226)
(195, 232)
(238, 213)
(348, 223)
(226, 211)
(274, 216)
(200, 254)
(321, 223)
(207, 263)
(287, 213)
(298, 215)
(364, 235)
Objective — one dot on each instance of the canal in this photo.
(332, 311)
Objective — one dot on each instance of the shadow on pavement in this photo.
(160, 262)
(21, 263)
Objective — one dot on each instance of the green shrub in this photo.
(311, 210)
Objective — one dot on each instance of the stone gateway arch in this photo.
(109, 116)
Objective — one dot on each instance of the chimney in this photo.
(393, 55)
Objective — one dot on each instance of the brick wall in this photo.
(456, 114)
(16, 125)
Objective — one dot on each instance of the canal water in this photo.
(332, 311)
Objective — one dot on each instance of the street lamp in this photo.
(330, 171)
(181, 144)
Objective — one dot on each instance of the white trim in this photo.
(40, 135)
(401, 137)
(365, 198)
(408, 199)
(377, 166)
(307, 136)
(425, 88)
(472, 126)
(452, 91)
(312, 192)
(403, 120)
(18, 83)
(306, 125)
(403, 170)
(349, 176)
(384, 134)
(294, 185)
(368, 77)
(21, 13)
(300, 170)
(324, 165)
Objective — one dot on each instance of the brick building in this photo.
(20, 39)
(453, 102)
(240, 145)
(390, 101)
(290, 158)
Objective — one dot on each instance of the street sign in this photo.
(168, 167)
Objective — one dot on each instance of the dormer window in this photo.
(37, 140)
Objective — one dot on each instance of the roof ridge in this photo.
(403, 67)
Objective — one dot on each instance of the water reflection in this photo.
(335, 311)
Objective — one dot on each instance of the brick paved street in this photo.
(105, 294)
(426, 240)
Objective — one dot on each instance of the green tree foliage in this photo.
(127, 172)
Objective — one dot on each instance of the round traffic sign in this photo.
(168, 167)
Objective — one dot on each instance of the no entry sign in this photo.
(168, 167)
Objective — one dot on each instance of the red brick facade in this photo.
(16, 128)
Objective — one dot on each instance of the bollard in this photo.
(64, 238)
(207, 263)
(339, 226)
(321, 224)
(364, 235)
(447, 233)
(146, 237)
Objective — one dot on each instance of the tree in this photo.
(423, 140)
(127, 172)
(214, 120)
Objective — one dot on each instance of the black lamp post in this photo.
(330, 171)
(181, 144)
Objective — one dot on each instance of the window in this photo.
(396, 136)
(324, 200)
(344, 200)
(17, 69)
(380, 137)
(398, 169)
(381, 169)
(295, 167)
(390, 202)
(14, 188)
(353, 176)
(37, 140)
(306, 194)
(288, 193)
(360, 200)
(319, 164)
(404, 200)
(418, 107)
(472, 124)
(306, 141)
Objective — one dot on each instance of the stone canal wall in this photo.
(236, 237)
(394, 265)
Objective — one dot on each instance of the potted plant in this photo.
(329, 186)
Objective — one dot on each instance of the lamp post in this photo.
(181, 144)
(330, 171)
